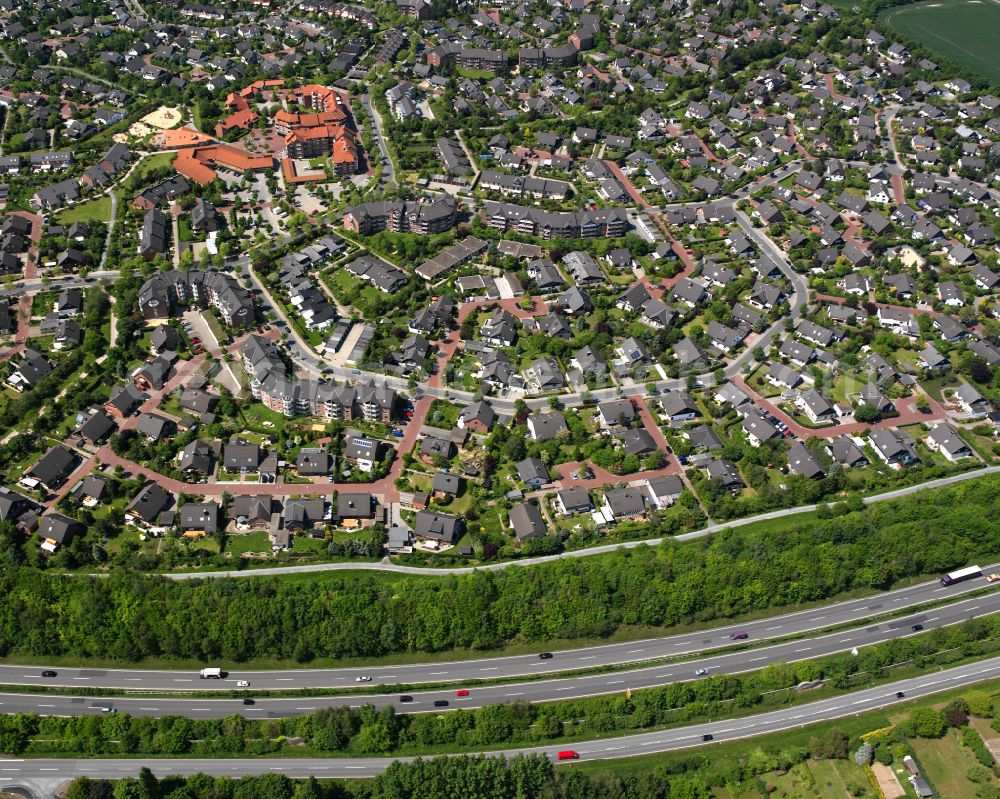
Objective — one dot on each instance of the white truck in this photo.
(210, 674)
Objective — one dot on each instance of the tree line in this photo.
(130, 617)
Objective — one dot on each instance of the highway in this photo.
(843, 613)
(559, 688)
(43, 775)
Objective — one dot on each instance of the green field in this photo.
(964, 31)
(96, 210)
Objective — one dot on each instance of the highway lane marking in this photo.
(305, 708)
(754, 660)
(491, 668)
(284, 679)
(201, 709)
(81, 678)
(148, 708)
(178, 679)
(567, 688)
(589, 657)
(615, 682)
(804, 649)
(46, 705)
(775, 627)
(843, 640)
(819, 618)
(517, 694)
(356, 767)
(436, 673)
(634, 651)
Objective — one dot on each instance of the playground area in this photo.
(163, 118)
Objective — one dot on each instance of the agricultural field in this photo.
(965, 31)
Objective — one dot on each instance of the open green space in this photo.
(96, 210)
(964, 31)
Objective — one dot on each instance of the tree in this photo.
(979, 703)
(867, 414)
(926, 722)
(865, 754)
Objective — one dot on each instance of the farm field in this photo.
(965, 31)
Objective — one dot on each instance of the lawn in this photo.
(153, 162)
(96, 210)
(944, 762)
(965, 31)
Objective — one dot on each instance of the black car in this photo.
(900, 694)
(917, 628)
(440, 703)
(406, 698)
(48, 674)
(708, 737)
(249, 702)
(545, 656)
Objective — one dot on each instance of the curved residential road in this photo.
(44, 774)
(441, 699)
(603, 549)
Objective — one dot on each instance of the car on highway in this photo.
(462, 692)
(900, 694)
(249, 702)
(741, 636)
(917, 628)
(993, 578)
(107, 710)
(700, 672)
(545, 656)
(708, 737)
(363, 678)
(48, 674)
(567, 754)
(406, 698)
(440, 703)
(242, 683)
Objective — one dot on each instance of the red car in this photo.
(462, 692)
(567, 754)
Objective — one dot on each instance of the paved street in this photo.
(45, 774)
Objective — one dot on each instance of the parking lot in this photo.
(199, 329)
